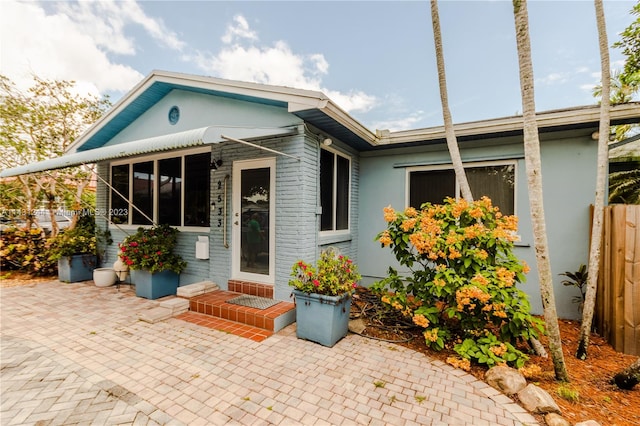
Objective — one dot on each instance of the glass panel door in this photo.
(253, 183)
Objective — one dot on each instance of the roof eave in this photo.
(548, 120)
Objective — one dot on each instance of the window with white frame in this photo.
(433, 184)
(170, 189)
(335, 178)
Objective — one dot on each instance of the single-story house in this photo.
(209, 155)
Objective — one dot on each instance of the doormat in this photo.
(253, 301)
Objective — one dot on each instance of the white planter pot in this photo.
(104, 277)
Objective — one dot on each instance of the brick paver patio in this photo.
(77, 354)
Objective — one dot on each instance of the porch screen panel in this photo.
(495, 182)
(342, 193)
(119, 211)
(431, 186)
(197, 183)
(170, 191)
(143, 192)
(326, 189)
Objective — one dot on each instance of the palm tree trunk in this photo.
(603, 159)
(534, 183)
(452, 142)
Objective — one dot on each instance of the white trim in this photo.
(547, 119)
(236, 219)
(472, 164)
(155, 158)
(337, 232)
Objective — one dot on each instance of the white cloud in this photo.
(353, 100)
(241, 58)
(404, 123)
(239, 30)
(588, 88)
(73, 42)
(106, 20)
(553, 78)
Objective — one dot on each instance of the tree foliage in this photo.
(38, 124)
(624, 187)
(630, 43)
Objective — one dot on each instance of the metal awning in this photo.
(186, 139)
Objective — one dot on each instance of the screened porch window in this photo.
(335, 177)
(494, 180)
(169, 190)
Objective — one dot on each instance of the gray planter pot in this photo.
(78, 267)
(322, 319)
(154, 286)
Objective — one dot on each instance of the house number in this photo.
(219, 208)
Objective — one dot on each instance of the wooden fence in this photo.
(618, 302)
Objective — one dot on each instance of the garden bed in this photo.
(596, 397)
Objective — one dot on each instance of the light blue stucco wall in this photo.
(200, 110)
(569, 182)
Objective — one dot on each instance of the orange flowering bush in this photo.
(463, 284)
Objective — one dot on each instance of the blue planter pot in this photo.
(322, 319)
(154, 286)
(78, 267)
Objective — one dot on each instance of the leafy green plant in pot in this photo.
(155, 267)
(75, 251)
(323, 296)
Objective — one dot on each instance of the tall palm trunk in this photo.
(534, 184)
(452, 142)
(603, 154)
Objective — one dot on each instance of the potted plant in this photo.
(75, 251)
(323, 297)
(154, 267)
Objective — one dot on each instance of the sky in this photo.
(375, 59)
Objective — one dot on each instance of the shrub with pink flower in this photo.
(151, 249)
(334, 275)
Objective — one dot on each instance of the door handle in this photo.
(235, 223)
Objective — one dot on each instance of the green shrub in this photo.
(79, 240)
(26, 250)
(462, 287)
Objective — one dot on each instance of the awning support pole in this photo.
(258, 146)
(99, 213)
(123, 197)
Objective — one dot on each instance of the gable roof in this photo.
(311, 106)
(318, 110)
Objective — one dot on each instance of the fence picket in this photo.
(618, 302)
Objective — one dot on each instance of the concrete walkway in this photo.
(77, 354)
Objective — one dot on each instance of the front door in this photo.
(253, 220)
